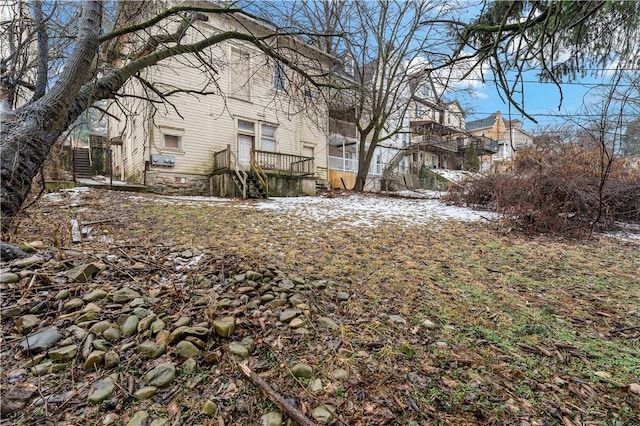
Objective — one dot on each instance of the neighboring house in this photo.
(509, 136)
(262, 131)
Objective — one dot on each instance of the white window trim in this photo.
(279, 80)
(275, 135)
(172, 131)
(242, 52)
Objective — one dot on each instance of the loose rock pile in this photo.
(114, 337)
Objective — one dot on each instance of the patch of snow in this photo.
(456, 176)
(366, 210)
(191, 200)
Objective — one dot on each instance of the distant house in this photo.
(432, 135)
(509, 136)
(258, 130)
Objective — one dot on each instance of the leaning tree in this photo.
(60, 57)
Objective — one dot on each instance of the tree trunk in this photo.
(29, 132)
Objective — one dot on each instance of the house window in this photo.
(268, 138)
(240, 74)
(418, 110)
(172, 141)
(279, 76)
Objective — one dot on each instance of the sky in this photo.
(541, 100)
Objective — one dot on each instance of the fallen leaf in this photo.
(634, 388)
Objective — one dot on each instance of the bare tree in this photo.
(559, 40)
(60, 58)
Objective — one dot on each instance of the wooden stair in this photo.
(82, 163)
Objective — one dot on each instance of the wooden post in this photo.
(229, 156)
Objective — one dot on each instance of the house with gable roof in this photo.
(259, 130)
(509, 136)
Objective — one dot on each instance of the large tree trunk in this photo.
(29, 132)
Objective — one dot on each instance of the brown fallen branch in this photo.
(292, 412)
(619, 330)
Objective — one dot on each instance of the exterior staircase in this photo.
(322, 185)
(254, 188)
(82, 164)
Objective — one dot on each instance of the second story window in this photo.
(279, 76)
(240, 74)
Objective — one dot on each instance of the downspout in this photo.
(144, 148)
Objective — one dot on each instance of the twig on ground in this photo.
(292, 412)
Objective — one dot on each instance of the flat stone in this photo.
(178, 334)
(66, 353)
(82, 273)
(397, 319)
(276, 303)
(15, 399)
(27, 262)
(209, 408)
(161, 375)
(101, 345)
(102, 390)
(27, 323)
(340, 374)
(200, 344)
(225, 326)
(238, 349)
(111, 334)
(288, 314)
(145, 392)
(253, 276)
(94, 295)
(73, 304)
(272, 418)
(343, 296)
(41, 340)
(77, 332)
(94, 360)
(9, 278)
(138, 266)
(428, 324)
(145, 322)
(11, 311)
(302, 370)
(140, 418)
(295, 300)
(186, 350)
(322, 413)
(111, 359)
(150, 349)
(156, 326)
(100, 326)
(62, 294)
(182, 321)
(287, 284)
(296, 323)
(124, 295)
(315, 386)
(130, 326)
(328, 323)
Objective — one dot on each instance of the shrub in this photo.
(559, 190)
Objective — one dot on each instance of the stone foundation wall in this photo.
(177, 184)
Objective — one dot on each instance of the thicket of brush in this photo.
(567, 189)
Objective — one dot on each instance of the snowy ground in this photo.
(363, 210)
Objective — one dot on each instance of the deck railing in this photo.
(295, 165)
(222, 159)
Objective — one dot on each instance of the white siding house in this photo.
(245, 104)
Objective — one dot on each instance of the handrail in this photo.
(242, 175)
(262, 177)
